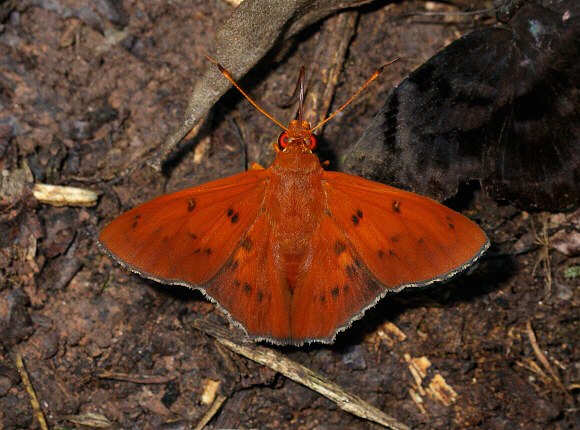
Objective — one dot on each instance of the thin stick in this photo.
(215, 407)
(31, 394)
(545, 361)
(136, 379)
(292, 370)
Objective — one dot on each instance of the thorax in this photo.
(295, 201)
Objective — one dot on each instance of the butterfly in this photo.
(500, 105)
(294, 253)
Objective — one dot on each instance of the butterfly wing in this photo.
(374, 239)
(499, 105)
(187, 237)
(214, 237)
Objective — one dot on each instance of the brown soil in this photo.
(87, 93)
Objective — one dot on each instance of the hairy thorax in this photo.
(295, 202)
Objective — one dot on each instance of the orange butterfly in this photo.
(294, 253)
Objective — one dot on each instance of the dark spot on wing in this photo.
(351, 271)
(197, 251)
(191, 204)
(355, 220)
(396, 238)
(421, 241)
(237, 283)
(192, 236)
(359, 214)
(322, 298)
(339, 247)
(357, 262)
(397, 206)
(392, 253)
(208, 251)
(380, 253)
(134, 225)
(450, 225)
(247, 244)
(138, 216)
(327, 212)
(247, 288)
(234, 265)
(233, 215)
(335, 292)
(345, 289)
(260, 296)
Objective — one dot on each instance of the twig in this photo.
(545, 362)
(58, 195)
(91, 420)
(31, 394)
(215, 407)
(298, 373)
(137, 379)
(544, 242)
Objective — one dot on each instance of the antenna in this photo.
(355, 95)
(229, 77)
(301, 86)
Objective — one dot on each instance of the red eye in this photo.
(283, 140)
(313, 142)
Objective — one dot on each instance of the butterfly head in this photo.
(299, 137)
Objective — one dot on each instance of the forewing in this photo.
(402, 238)
(372, 239)
(187, 236)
